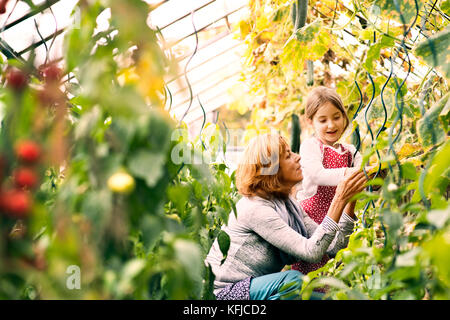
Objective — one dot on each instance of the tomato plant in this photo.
(88, 178)
(382, 58)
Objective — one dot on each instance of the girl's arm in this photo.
(311, 162)
(358, 160)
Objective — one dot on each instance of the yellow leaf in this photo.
(406, 150)
(244, 28)
(262, 23)
(265, 36)
(150, 81)
(366, 34)
(128, 76)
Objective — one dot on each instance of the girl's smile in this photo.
(328, 123)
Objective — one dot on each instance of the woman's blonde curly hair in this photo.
(258, 171)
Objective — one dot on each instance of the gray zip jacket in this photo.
(258, 234)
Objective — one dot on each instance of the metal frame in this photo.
(11, 53)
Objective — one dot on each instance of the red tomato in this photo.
(28, 151)
(3, 6)
(25, 177)
(16, 79)
(52, 73)
(16, 203)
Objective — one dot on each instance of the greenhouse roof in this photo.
(199, 35)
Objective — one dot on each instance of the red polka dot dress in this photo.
(317, 206)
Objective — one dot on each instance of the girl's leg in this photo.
(270, 287)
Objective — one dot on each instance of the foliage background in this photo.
(381, 57)
(148, 240)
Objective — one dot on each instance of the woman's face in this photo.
(290, 171)
(328, 123)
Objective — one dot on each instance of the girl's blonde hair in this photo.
(321, 95)
(258, 171)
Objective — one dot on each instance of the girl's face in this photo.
(328, 123)
(290, 170)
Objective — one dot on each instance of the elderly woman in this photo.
(271, 230)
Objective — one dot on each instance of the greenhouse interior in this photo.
(135, 137)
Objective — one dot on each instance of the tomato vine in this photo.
(381, 57)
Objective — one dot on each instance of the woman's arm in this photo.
(353, 184)
(267, 223)
(345, 228)
(350, 209)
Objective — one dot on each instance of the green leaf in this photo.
(439, 218)
(130, 271)
(30, 3)
(439, 165)
(132, 268)
(429, 127)
(390, 9)
(408, 258)
(374, 51)
(151, 228)
(224, 243)
(96, 205)
(198, 188)
(375, 182)
(445, 6)
(393, 220)
(208, 285)
(87, 123)
(179, 195)
(160, 131)
(434, 50)
(188, 253)
(438, 249)
(409, 171)
(308, 33)
(78, 41)
(148, 166)
(312, 43)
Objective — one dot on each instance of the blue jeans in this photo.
(268, 287)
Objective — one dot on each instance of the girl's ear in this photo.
(309, 121)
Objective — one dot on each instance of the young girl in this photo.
(324, 161)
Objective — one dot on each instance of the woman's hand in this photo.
(352, 184)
